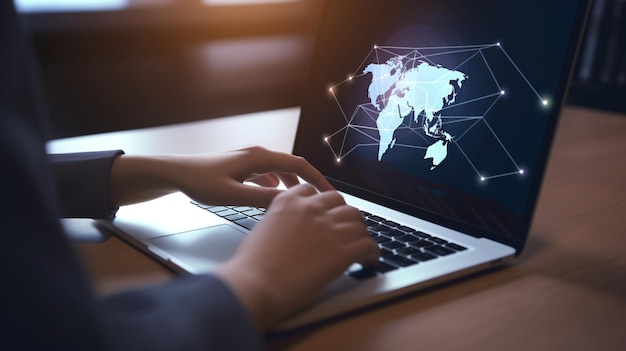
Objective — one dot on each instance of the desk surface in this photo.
(567, 291)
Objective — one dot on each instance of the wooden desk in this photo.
(567, 291)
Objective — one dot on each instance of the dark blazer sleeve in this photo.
(194, 312)
(82, 183)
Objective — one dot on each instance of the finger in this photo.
(364, 251)
(347, 213)
(289, 179)
(350, 231)
(302, 190)
(267, 179)
(311, 175)
(266, 161)
(255, 196)
(330, 199)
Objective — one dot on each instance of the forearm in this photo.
(216, 179)
(140, 178)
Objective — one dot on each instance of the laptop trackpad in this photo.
(200, 250)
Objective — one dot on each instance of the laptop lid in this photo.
(444, 110)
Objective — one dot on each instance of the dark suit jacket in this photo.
(46, 299)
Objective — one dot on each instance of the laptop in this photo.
(434, 118)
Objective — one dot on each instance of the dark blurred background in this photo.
(119, 64)
(600, 77)
(112, 65)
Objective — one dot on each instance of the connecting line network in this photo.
(412, 81)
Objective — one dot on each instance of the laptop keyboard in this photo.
(244, 216)
(400, 246)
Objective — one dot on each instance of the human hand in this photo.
(219, 179)
(305, 241)
(214, 179)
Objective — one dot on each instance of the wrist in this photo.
(140, 178)
(261, 302)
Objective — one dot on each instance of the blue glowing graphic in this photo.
(404, 81)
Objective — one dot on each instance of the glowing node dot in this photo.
(338, 160)
(350, 78)
(375, 46)
(330, 89)
(521, 171)
(482, 179)
(545, 102)
(502, 92)
(326, 139)
(498, 43)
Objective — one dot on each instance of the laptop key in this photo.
(408, 238)
(422, 256)
(215, 209)
(388, 232)
(242, 208)
(389, 223)
(421, 234)
(234, 217)
(399, 261)
(390, 245)
(376, 219)
(437, 240)
(407, 250)
(405, 229)
(363, 273)
(253, 212)
(370, 272)
(438, 250)
(422, 243)
(383, 267)
(382, 239)
(248, 223)
(375, 228)
(385, 252)
(226, 212)
(396, 233)
(456, 247)
(369, 222)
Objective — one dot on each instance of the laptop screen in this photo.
(440, 109)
